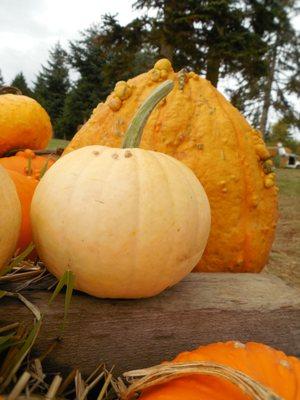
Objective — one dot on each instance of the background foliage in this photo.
(249, 48)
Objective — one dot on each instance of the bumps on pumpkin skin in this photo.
(259, 145)
(122, 91)
(183, 77)
(268, 166)
(113, 102)
(161, 70)
(269, 182)
(263, 155)
(193, 75)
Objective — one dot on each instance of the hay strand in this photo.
(140, 380)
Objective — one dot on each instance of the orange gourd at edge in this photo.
(25, 186)
(24, 123)
(26, 162)
(266, 366)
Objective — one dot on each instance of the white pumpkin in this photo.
(10, 217)
(127, 222)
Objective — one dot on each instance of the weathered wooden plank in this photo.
(131, 334)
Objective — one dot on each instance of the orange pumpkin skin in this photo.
(198, 126)
(21, 161)
(23, 123)
(25, 186)
(270, 367)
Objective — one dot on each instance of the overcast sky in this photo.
(29, 28)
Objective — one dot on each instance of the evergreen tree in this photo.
(172, 32)
(251, 42)
(79, 103)
(274, 89)
(52, 85)
(126, 51)
(105, 54)
(87, 59)
(20, 82)
(214, 37)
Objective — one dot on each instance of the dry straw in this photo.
(22, 377)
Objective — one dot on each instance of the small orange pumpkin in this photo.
(23, 123)
(266, 367)
(25, 186)
(27, 163)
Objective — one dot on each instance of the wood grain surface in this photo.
(132, 334)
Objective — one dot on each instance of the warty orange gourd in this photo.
(213, 372)
(199, 127)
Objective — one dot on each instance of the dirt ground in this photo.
(285, 256)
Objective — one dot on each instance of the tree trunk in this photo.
(166, 49)
(268, 93)
(213, 68)
(213, 57)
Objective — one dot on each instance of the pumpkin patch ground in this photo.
(284, 260)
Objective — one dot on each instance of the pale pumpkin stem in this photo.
(140, 380)
(134, 132)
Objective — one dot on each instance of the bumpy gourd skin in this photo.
(23, 123)
(199, 127)
(270, 367)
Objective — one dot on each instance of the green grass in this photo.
(57, 143)
(288, 181)
(285, 254)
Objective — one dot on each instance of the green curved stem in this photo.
(134, 132)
